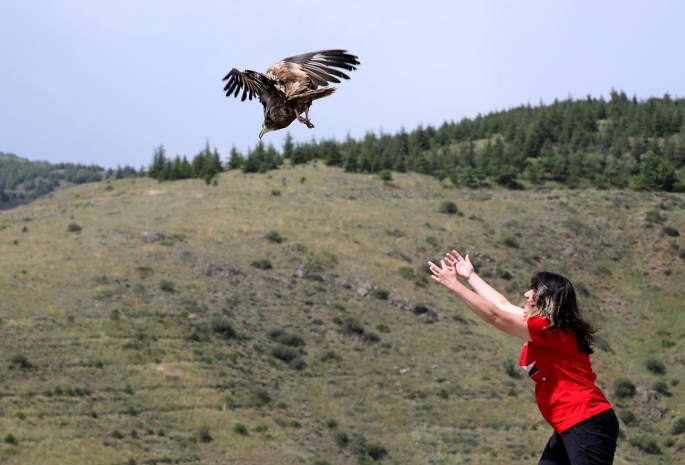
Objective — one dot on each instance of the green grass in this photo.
(176, 336)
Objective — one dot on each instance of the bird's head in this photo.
(265, 129)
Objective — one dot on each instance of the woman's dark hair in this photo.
(556, 301)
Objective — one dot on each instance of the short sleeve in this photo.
(535, 326)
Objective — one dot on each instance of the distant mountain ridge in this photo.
(23, 180)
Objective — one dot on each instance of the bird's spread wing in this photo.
(313, 69)
(250, 82)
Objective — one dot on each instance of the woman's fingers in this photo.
(448, 256)
(456, 254)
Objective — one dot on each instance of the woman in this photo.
(556, 355)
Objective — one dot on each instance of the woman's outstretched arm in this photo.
(510, 323)
(465, 270)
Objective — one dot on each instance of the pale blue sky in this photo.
(106, 81)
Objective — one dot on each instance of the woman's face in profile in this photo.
(530, 301)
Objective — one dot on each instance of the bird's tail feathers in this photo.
(313, 94)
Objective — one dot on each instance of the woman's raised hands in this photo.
(462, 265)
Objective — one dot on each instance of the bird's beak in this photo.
(264, 130)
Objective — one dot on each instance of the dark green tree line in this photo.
(616, 143)
(206, 165)
(22, 180)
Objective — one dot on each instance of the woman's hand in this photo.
(444, 274)
(463, 266)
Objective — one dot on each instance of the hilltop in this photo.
(23, 180)
(287, 317)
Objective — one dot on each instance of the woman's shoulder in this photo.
(538, 322)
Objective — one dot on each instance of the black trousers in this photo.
(590, 442)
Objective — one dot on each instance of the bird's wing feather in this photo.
(310, 70)
(250, 82)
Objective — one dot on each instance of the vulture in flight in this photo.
(290, 86)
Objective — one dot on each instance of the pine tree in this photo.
(288, 146)
(159, 163)
(255, 159)
(350, 153)
(329, 150)
(656, 174)
(235, 160)
(271, 158)
(186, 170)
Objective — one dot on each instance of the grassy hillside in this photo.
(287, 318)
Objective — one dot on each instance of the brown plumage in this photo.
(290, 86)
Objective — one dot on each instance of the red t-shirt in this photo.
(565, 389)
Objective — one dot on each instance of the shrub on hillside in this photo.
(662, 388)
(678, 426)
(655, 366)
(262, 264)
(322, 261)
(395, 232)
(298, 364)
(204, 435)
(357, 444)
(380, 294)
(581, 288)
(329, 354)
(222, 328)
(20, 361)
(448, 207)
(167, 286)
(511, 241)
(376, 451)
(511, 368)
(198, 333)
(420, 309)
(332, 423)
(645, 444)
(670, 231)
(385, 175)
(628, 417)
(73, 227)
(274, 236)
(352, 325)
(433, 242)
(341, 438)
(288, 355)
(603, 344)
(281, 336)
(383, 328)
(623, 387)
(370, 336)
(653, 216)
(240, 429)
(407, 272)
(398, 254)
(504, 274)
